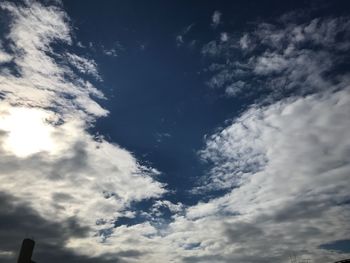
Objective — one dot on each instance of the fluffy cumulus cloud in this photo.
(288, 166)
(284, 163)
(58, 181)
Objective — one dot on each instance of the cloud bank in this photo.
(50, 165)
(285, 160)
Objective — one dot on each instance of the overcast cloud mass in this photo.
(209, 138)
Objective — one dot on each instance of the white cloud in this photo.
(216, 18)
(84, 65)
(48, 159)
(224, 37)
(110, 52)
(299, 149)
(297, 54)
(244, 41)
(4, 57)
(27, 130)
(180, 38)
(174, 208)
(113, 51)
(285, 165)
(5, 254)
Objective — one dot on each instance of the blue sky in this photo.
(212, 131)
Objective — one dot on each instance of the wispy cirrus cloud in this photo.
(181, 38)
(291, 57)
(113, 51)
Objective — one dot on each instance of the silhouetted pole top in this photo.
(25, 255)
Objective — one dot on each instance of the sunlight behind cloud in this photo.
(28, 131)
(215, 138)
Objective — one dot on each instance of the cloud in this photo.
(180, 38)
(17, 219)
(251, 143)
(283, 163)
(51, 167)
(224, 37)
(114, 51)
(4, 57)
(282, 166)
(84, 65)
(160, 137)
(290, 57)
(216, 18)
(174, 208)
(286, 168)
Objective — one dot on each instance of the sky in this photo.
(175, 131)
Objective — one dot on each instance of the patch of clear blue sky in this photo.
(342, 246)
(160, 108)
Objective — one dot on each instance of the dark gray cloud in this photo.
(18, 221)
(211, 258)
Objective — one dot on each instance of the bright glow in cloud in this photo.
(284, 166)
(49, 162)
(27, 131)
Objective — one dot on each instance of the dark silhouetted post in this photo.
(25, 255)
